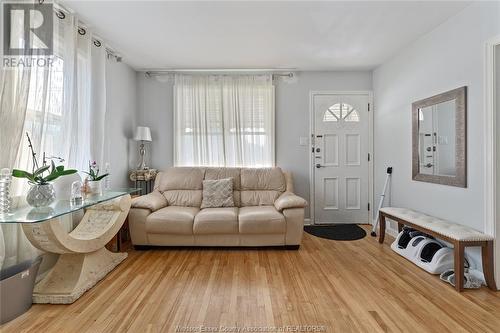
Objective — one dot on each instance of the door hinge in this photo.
(368, 206)
(368, 107)
(369, 157)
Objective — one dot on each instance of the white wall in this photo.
(121, 99)
(155, 110)
(446, 58)
(292, 117)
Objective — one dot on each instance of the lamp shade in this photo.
(142, 133)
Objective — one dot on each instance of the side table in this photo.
(83, 259)
(144, 178)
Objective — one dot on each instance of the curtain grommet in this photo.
(60, 14)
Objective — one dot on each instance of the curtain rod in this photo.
(61, 12)
(275, 72)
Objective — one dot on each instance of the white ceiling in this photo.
(255, 34)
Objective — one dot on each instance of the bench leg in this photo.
(381, 235)
(487, 257)
(459, 266)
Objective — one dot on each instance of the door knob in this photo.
(319, 166)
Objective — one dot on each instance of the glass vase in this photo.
(5, 182)
(41, 195)
(95, 187)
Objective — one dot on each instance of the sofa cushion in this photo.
(222, 173)
(237, 198)
(181, 178)
(263, 179)
(172, 220)
(261, 187)
(261, 220)
(258, 198)
(157, 183)
(185, 198)
(216, 221)
(217, 193)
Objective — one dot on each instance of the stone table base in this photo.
(83, 259)
(74, 274)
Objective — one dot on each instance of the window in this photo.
(66, 102)
(333, 113)
(224, 120)
(43, 120)
(341, 111)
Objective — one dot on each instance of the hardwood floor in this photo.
(357, 286)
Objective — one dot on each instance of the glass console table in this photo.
(83, 259)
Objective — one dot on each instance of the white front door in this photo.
(341, 145)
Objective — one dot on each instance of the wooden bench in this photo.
(458, 235)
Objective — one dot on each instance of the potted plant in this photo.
(41, 192)
(94, 179)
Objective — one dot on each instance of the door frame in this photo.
(312, 169)
(491, 133)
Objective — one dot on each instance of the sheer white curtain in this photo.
(99, 151)
(59, 109)
(224, 120)
(63, 111)
(14, 90)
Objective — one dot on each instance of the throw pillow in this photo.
(217, 193)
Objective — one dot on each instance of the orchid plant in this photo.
(36, 176)
(94, 172)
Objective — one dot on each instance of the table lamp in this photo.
(142, 134)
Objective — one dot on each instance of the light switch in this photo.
(304, 141)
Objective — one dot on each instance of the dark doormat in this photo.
(341, 232)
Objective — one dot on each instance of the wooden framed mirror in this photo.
(439, 126)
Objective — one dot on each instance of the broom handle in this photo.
(382, 197)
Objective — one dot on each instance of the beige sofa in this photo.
(266, 211)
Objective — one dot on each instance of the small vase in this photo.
(5, 200)
(41, 195)
(95, 187)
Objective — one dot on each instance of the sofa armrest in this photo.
(152, 201)
(137, 225)
(289, 200)
(294, 218)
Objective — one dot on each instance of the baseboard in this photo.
(391, 232)
(388, 230)
(307, 221)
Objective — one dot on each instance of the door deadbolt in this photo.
(318, 150)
